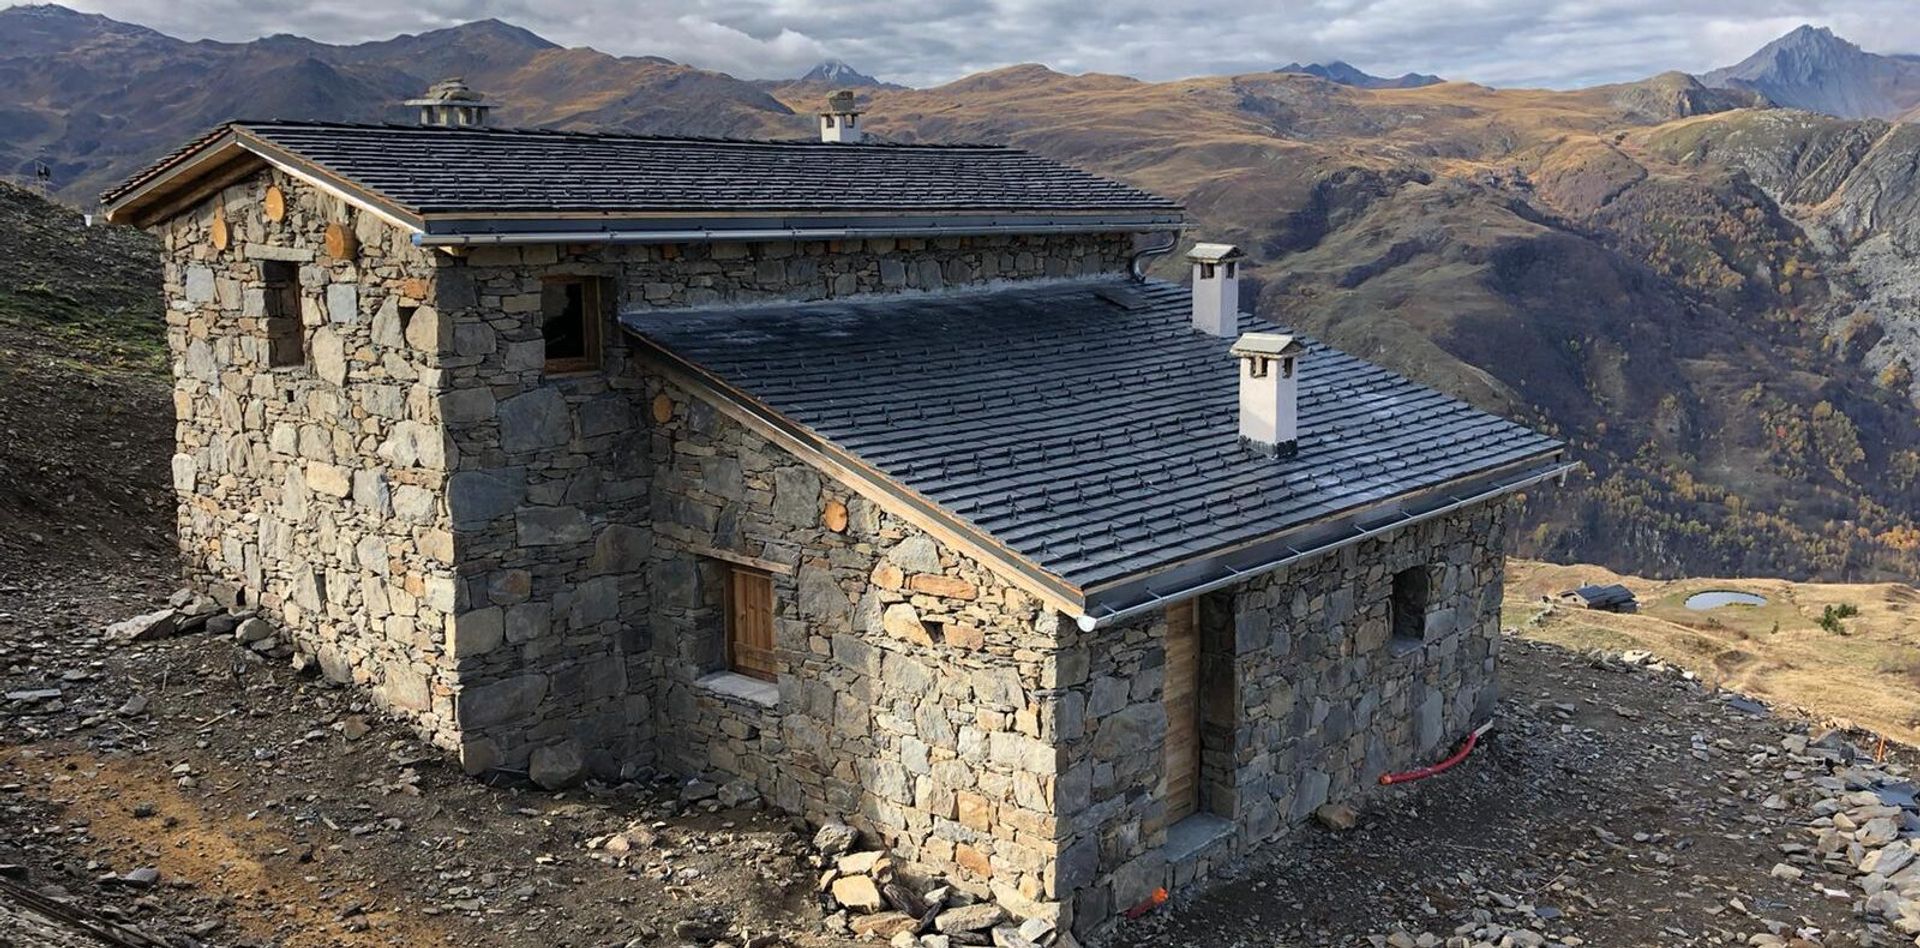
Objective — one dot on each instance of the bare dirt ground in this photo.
(200, 795)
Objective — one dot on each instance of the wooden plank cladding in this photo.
(1181, 693)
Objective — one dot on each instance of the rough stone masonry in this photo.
(520, 563)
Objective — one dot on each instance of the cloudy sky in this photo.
(1556, 43)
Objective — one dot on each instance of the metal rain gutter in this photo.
(1158, 600)
(710, 235)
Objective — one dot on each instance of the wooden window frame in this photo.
(593, 315)
(743, 581)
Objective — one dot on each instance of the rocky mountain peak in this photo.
(1812, 68)
(838, 73)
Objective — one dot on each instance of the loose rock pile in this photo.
(1865, 827)
(876, 899)
(187, 612)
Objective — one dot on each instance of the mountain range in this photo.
(1711, 297)
(1348, 75)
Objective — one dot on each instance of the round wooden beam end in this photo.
(662, 409)
(219, 234)
(341, 243)
(836, 516)
(274, 204)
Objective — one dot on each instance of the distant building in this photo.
(867, 475)
(1612, 597)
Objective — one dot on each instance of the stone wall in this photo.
(554, 516)
(314, 492)
(913, 697)
(1307, 698)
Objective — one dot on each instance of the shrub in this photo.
(1833, 616)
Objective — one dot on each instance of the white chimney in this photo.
(1269, 391)
(1216, 288)
(840, 122)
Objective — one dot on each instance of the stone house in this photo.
(870, 477)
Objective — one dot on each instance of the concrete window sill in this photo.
(1404, 648)
(1195, 833)
(740, 687)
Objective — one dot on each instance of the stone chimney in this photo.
(1216, 288)
(451, 104)
(841, 121)
(1269, 391)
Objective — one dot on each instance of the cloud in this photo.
(1556, 43)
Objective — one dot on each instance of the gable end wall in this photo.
(315, 492)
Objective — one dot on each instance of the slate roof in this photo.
(1084, 424)
(479, 171)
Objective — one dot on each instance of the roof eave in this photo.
(1145, 591)
(469, 232)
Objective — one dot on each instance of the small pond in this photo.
(1715, 598)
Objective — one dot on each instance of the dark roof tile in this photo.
(1097, 439)
(432, 170)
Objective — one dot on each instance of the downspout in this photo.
(1136, 264)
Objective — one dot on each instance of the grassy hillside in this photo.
(96, 289)
(83, 394)
(1863, 668)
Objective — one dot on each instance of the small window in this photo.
(750, 623)
(1409, 605)
(570, 321)
(286, 337)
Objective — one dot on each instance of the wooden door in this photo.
(1181, 693)
(750, 623)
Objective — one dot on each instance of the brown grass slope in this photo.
(1861, 670)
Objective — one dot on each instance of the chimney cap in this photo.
(1267, 344)
(452, 90)
(840, 103)
(1214, 253)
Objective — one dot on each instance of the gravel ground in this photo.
(1615, 805)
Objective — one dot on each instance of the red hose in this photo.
(1422, 773)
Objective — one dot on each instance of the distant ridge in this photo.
(1811, 68)
(1348, 75)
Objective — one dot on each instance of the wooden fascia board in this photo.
(366, 199)
(229, 158)
(128, 208)
(168, 204)
(894, 497)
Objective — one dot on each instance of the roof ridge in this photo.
(497, 131)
